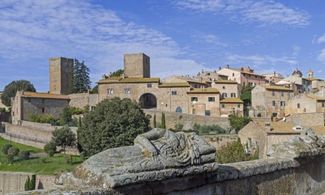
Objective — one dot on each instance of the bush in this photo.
(179, 127)
(30, 184)
(5, 148)
(13, 151)
(24, 155)
(234, 152)
(113, 123)
(163, 121)
(45, 118)
(10, 158)
(208, 129)
(237, 122)
(50, 148)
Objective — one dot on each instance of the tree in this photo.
(64, 137)
(154, 121)
(246, 97)
(81, 79)
(163, 121)
(11, 89)
(112, 123)
(50, 148)
(117, 73)
(237, 122)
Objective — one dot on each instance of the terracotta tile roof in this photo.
(232, 100)
(128, 80)
(45, 95)
(225, 82)
(174, 85)
(277, 88)
(203, 91)
(279, 128)
(251, 73)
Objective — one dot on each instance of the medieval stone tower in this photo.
(137, 65)
(61, 75)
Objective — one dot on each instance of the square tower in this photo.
(137, 65)
(61, 75)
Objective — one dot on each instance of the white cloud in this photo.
(209, 39)
(35, 30)
(321, 56)
(321, 39)
(264, 12)
(259, 60)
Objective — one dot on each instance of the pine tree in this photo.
(81, 79)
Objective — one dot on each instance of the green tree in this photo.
(112, 123)
(64, 137)
(237, 122)
(50, 148)
(27, 184)
(94, 90)
(246, 97)
(163, 121)
(117, 73)
(11, 89)
(154, 121)
(81, 79)
(233, 152)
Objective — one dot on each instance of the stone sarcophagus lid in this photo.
(156, 155)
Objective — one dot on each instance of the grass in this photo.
(40, 165)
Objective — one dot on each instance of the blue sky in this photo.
(180, 36)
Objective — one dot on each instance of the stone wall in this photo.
(188, 120)
(220, 140)
(307, 119)
(80, 100)
(11, 182)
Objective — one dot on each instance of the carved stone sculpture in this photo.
(156, 155)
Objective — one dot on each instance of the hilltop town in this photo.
(229, 105)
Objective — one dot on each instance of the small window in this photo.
(194, 99)
(174, 92)
(233, 74)
(127, 91)
(233, 95)
(282, 94)
(110, 91)
(149, 85)
(211, 99)
(298, 105)
(238, 106)
(224, 95)
(223, 87)
(323, 104)
(43, 110)
(207, 113)
(273, 103)
(179, 109)
(222, 106)
(273, 93)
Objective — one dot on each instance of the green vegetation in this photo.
(163, 121)
(246, 94)
(208, 129)
(117, 73)
(237, 122)
(11, 89)
(154, 121)
(234, 152)
(30, 184)
(113, 123)
(38, 165)
(179, 127)
(45, 118)
(63, 138)
(81, 79)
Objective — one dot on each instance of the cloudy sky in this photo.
(180, 36)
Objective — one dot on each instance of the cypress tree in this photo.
(27, 184)
(33, 182)
(163, 121)
(154, 121)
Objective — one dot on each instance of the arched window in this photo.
(179, 110)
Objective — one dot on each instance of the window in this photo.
(298, 105)
(179, 109)
(211, 99)
(238, 106)
(174, 92)
(223, 87)
(43, 110)
(207, 113)
(233, 95)
(323, 104)
(224, 95)
(222, 106)
(127, 91)
(273, 93)
(149, 85)
(282, 94)
(194, 99)
(273, 103)
(110, 91)
(233, 74)
(283, 103)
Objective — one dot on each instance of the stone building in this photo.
(305, 103)
(175, 94)
(270, 100)
(298, 82)
(227, 88)
(210, 76)
(273, 77)
(229, 106)
(27, 104)
(61, 75)
(244, 75)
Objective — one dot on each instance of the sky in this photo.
(181, 37)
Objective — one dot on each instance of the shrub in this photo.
(163, 121)
(208, 129)
(179, 127)
(10, 158)
(50, 148)
(234, 152)
(45, 118)
(237, 122)
(30, 184)
(5, 148)
(113, 123)
(13, 151)
(24, 155)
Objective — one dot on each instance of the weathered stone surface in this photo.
(157, 155)
(307, 144)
